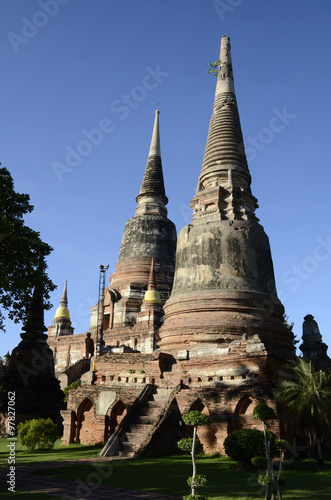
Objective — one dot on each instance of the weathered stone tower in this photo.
(224, 286)
(132, 308)
(30, 372)
(148, 235)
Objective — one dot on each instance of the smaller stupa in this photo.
(30, 372)
(312, 346)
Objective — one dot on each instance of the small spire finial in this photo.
(155, 149)
(151, 281)
(64, 298)
(225, 81)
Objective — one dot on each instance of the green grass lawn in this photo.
(24, 495)
(58, 454)
(168, 474)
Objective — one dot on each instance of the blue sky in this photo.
(80, 82)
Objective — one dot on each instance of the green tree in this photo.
(195, 419)
(263, 412)
(22, 254)
(304, 403)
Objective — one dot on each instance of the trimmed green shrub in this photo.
(38, 434)
(195, 497)
(195, 418)
(185, 444)
(245, 444)
(263, 412)
(199, 480)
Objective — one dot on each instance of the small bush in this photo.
(259, 462)
(195, 497)
(37, 434)
(282, 444)
(66, 390)
(245, 444)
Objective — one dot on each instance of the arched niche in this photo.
(86, 407)
(117, 413)
(242, 417)
(205, 433)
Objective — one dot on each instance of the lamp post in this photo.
(102, 277)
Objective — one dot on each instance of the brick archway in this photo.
(242, 417)
(73, 427)
(83, 413)
(206, 434)
(198, 405)
(117, 414)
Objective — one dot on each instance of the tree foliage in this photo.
(72, 386)
(185, 444)
(38, 434)
(213, 69)
(304, 402)
(195, 418)
(22, 253)
(263, 412)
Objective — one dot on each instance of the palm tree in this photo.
(304, 403)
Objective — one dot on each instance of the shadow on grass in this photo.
(168, 476)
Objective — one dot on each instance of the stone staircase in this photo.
(77, 369)
(139, 430)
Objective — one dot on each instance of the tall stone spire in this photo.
(149, 236)
(152, 197)
(224, 287)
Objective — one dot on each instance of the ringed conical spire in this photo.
(148, 235)
(62, 312)
(225, 163)
(152, 191)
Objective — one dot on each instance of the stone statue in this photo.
(89, 346)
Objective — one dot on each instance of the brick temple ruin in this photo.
(189, 325)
